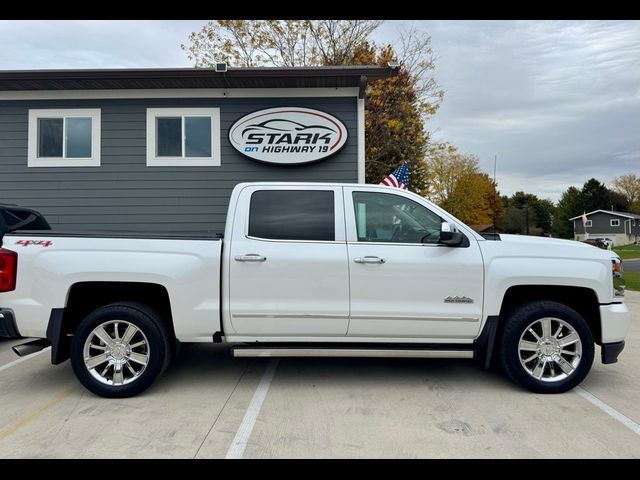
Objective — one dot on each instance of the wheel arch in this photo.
(581, 299)
(85, 297)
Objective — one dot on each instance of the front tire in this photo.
(546, 347)
(120, 349)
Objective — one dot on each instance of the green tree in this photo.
(395, 108)
(595, 196)
(570, 205)
(545, 213)
(512, 220)
(522, 206)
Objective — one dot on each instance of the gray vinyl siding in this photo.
(124, 194)
(600, 224)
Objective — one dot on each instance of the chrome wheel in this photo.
(116, 352)
(550, 349)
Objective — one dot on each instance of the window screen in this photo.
(292, 215)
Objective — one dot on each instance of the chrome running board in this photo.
(349, 352)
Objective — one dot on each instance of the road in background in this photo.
(631, 265)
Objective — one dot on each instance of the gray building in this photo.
(620, 227)
(161, 149)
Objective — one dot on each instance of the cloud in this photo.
(37, 44)
(557, 102)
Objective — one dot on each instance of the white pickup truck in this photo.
(311, 269)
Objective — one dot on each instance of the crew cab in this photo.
(311, 269)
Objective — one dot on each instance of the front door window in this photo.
(385, 217)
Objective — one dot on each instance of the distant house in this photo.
(620, 227)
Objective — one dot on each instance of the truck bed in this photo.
(52, 263)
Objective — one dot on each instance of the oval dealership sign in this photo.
(288, 135)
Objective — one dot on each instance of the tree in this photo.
(394, 130)
(475, 200)
(512, 221)
(595, 196)
(445, 165)
(521, 207)
(545, 213)
(629, 187)
(395, 108)
(618, 202)
(278, 43)
(456, 184)
(570, 205)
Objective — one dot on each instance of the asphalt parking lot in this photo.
(209, 405)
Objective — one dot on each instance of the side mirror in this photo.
(450, 237)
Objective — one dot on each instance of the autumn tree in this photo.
(445, 165)
(278, 43)
(395, 108)
(475, 200)
(394, 131)
(628, 186)
(456, 184)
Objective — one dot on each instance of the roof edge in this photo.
(618, 214)
(371, 71)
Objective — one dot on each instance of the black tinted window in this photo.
(292, 215)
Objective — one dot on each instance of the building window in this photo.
(614, 222)
(292, 215)
(183, 137)
(588, 223)
(64, 138)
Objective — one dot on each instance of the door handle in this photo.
(250, 257)
(369, 259)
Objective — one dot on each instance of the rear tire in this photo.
(546, 347)
(120, 349)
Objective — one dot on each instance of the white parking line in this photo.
(236, 449)
(609, 410)
(22, 359)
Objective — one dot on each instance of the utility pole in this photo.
(495, 184)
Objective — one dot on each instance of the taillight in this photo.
(8, 270)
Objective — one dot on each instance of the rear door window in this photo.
(292, 215)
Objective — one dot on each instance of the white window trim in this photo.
(588, 223)
(617, 224)
(155, 161)
(32, 149)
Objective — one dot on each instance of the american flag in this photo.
(399, 178)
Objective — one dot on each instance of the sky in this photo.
(557, 102)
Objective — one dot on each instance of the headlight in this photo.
(617, 275)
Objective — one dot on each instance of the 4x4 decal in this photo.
(40, 243)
